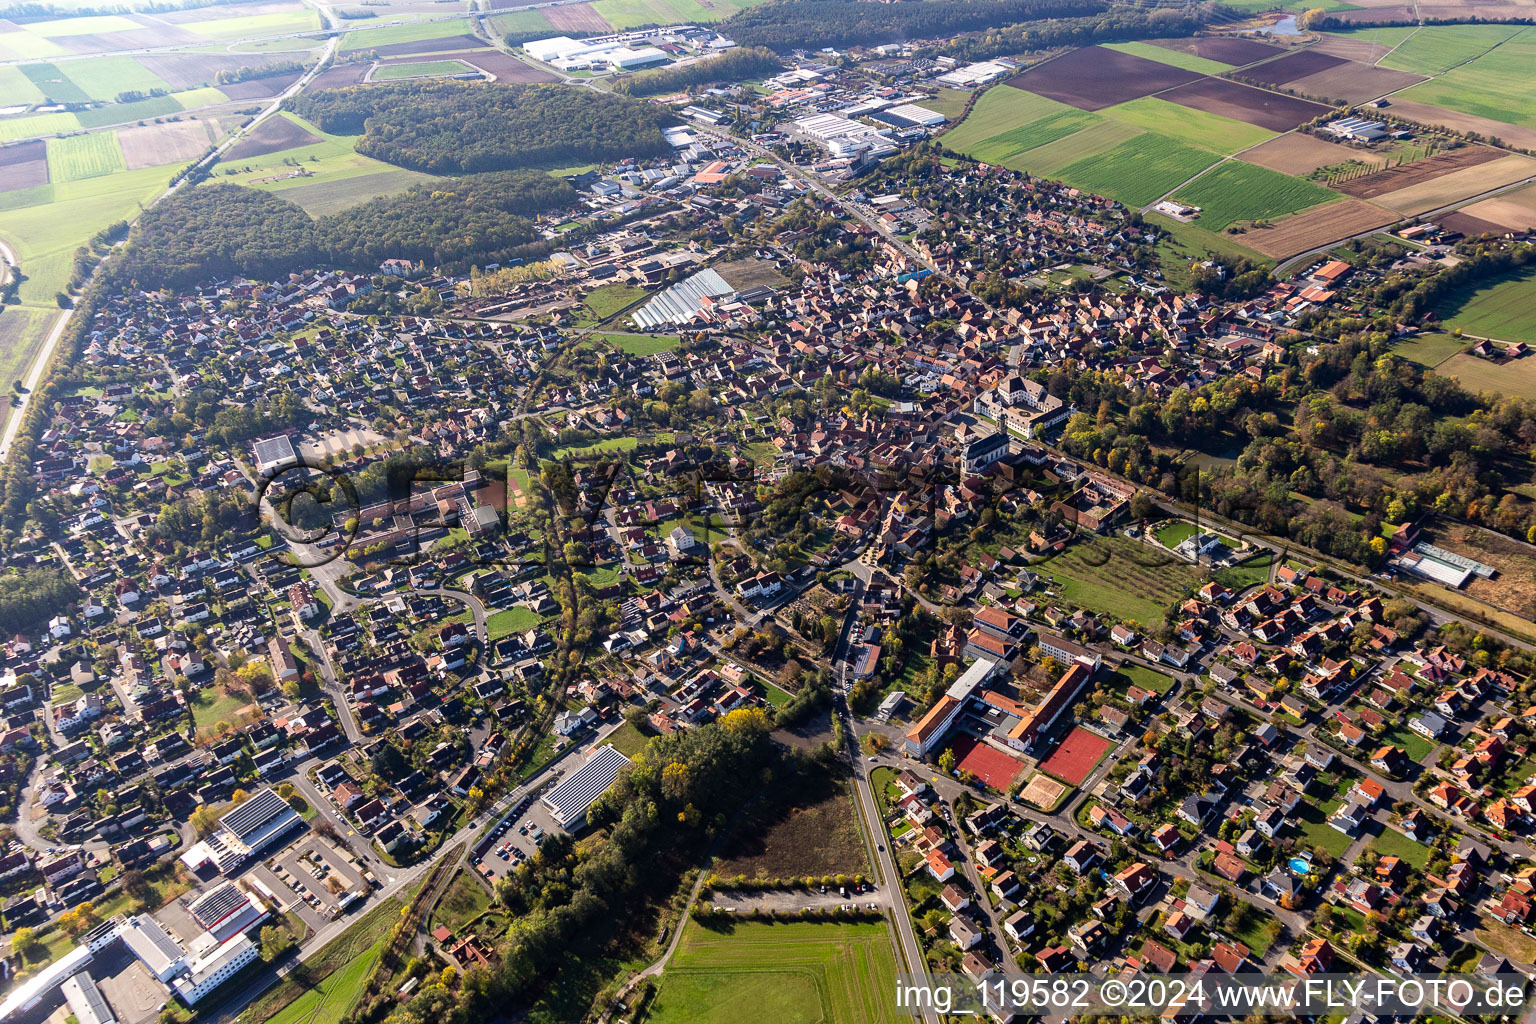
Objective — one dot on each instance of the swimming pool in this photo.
(1301, 866)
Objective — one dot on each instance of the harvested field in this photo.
(1455, 120)
(1245, 103)
(1300, 155)
(1095, 77)
(192, 70)
(1516, 379)
(1354, 83)
(1226, 49)
(273, 135)
(1076, 756)
(1458, 185)
(174, 142)
(1356, 48)
(23, 166)
(1470, 225)
(1317, 227)
(194, 14)
(507, 68)
(1291, 67)
(1043, 792)
(341, 76)
(259, 88)
(512, 5)
(1513, 211)
(442, 44)
(1393, 179)
(577, 18)
(987, 763)
(1377, 14)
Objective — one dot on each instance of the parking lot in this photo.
(516, 838)
(312, 880)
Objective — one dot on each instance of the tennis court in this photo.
(1076, 756)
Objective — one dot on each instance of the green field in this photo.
(1210, 131)
(331, 999)
(54, 84)
(102, 78)
(1236, 191)
(419, 69)
(605, 300)
(1120, 577)
(123, 113)
(332, 159)
(1177, 58)
(251, 26)
(1383, 35)
(1503, 308)
(1498, 85)
(26, 46)
(1187, 242)
(12, 128)
(323, 197)
(76, 157)
(1430, 349)
(627, 14)
(797, 973)
(191, 99)
(520, 23)
(18, 87)
(1516, 379)
(642, 344)
(1000, 109)
(410, 32)
(509, 621)
(1435, 49)
(1139, 171)
(23, 330)
(1053, 158)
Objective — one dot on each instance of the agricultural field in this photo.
(23, 329)
(1514, 588)
(1451, 188)
(1232, 51)
(76, 157)
(1513, 211)
(419, 69)
(12, 128)
(1503, 308)
(996, 113)
(1300, 155)
(1430, 349)
(103, 78)
(409, 32)
(1516, 379)
(1245, 103)
(1317, 226)
(1237, 191)
(55, 86)
(275, 24)
(1120, 577)
(25, 166)
(627, 14)
(1096, 77)
(1367, 44)
(796, 973)
(1177, 58)
(1139, 171)
(1497, 85)
(323, 197)
(328, 160)
(1195, 127)
(1435, 49)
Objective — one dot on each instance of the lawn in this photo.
(1393, 843)
(1140, 170)
(1177, 58)
(1430, 349)
(1503, 939)
(1196, 127)
(1417, 747)
(1129, 675)
(799, 973)
(1171, 535)
(210, 706)
(419, 69)
(509, 621)
(606, 300)
(1435, 49)
(1316, 831)
(410, 32)
(642, 344)
(1236, 191)
(1250, 572)
(331, 999)
(1497, 85)
(22, 332)
(464, 900)
(816, 834)
(1119, 577)
(76, 157)
(1502, 307)
(627, 740)
(1185, 243)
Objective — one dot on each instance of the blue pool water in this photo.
(1300, 866)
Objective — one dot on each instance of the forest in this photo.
(450, 127)
(812, 24)
(1116, 23)
(223, 230)
(732, 66)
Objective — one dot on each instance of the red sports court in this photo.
(1076, 756)
(987, 763)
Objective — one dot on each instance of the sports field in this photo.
(419, 69)
(1077, 756)
(796, 973)
(986, 762)
(1237, 191)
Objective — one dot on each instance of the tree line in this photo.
(451, 127)
(223, 230)
(1116, 23)
(732, 66)
(813, 24)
